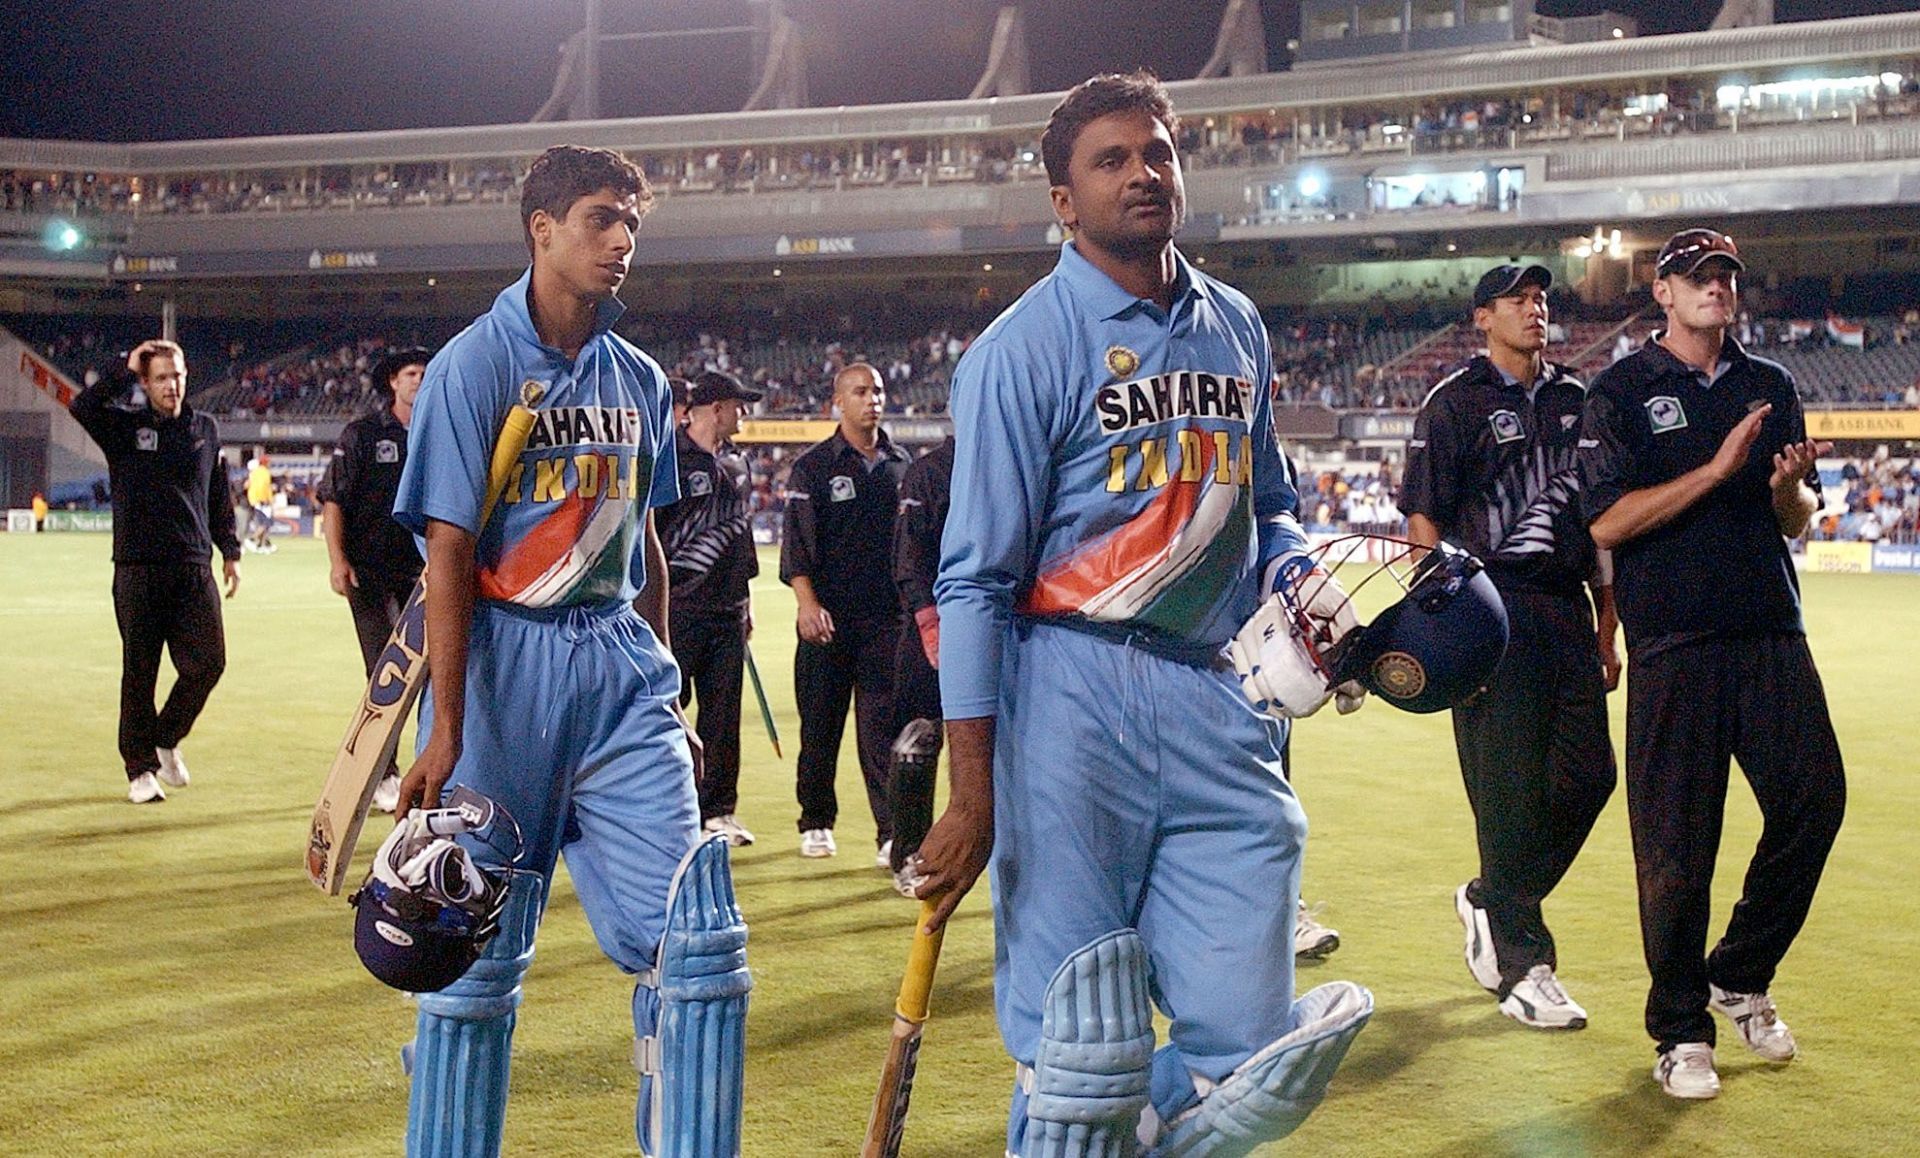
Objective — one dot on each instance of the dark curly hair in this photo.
(1137, 91)
(566, 173)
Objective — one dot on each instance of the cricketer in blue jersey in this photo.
(553, 692)
(1118, 501)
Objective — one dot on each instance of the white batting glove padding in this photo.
(1278, 671)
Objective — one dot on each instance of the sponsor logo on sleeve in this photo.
(386, 450)
(699, 483)
(146, 438)
(840, 488)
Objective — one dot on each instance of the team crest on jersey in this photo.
(1122, 362)
(386, 450)
(1666, 414)
(699, 483)
(1506, 426)
(840, 488)
(146, 438)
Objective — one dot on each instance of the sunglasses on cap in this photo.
(1684, 252)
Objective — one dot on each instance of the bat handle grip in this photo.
(916, 987)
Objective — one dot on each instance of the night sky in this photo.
(129, 70)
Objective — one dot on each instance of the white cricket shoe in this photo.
(817, 842)
(735, 832)
(1758, 1022)
(1686, 1071)
(386, 794)
(173, 767)
(884, 858)
(1311, 939)
(145, 789)
(1482, 961)
(1538, 1000)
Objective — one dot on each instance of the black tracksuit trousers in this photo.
(175, 606)
(1538, 766)
(1690, 709)
(857, 667)
(712, 653)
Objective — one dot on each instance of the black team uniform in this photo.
(1718, 669)
(708, 536)
(1497, 472)
(171, 508)
(362, 479)
(839, 533)
(918, 726)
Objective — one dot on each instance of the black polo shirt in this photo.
(708, 533)
(1498, 473)
(1722, 567)
(363, 478)
(171, 502)
(925, 493)
(839, 526)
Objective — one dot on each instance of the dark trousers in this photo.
(1690, 709)
(175, 606)
(1538, 766)
(712, 653)
(916, 696)
(857, 666)
(376, 605)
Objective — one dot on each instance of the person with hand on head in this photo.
(1492, 469)
(172, 508)
(372, 560)
(1695, 469)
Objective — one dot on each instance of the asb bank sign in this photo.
(344, 259)
(812, 246)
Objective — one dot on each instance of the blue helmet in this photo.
(1436, 648)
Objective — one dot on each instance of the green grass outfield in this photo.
(170, 983)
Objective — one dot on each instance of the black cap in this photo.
(682, 390)
(394, 361)
(1502, 280)
(711, 386)
(1688, 249)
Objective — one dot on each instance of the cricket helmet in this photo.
(429, 907)
(1434, 648)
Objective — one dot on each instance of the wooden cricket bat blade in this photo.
(888, 1123)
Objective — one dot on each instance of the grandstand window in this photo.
(1382, 20)
(1435, 14)
(1489, 12)
(1335, 25)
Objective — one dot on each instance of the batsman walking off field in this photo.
(1118, 507)
(553, 689)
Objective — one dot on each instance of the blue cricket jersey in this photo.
(567, 529)
(1114, 464)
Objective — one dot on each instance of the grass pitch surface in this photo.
(170, 983)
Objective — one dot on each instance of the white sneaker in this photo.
(1686, 1071)
(735, 832)
(386, 794)
(1538, 1000)
(1758, 1022)
(817, 842)
(906, 882)
(1311, 939)
(884, 858)
(173, 767)
(145, 789)
(1482, 961)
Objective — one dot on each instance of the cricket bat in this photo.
(766, 712)
(398, 675)
(910, 1013)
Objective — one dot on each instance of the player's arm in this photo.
(226, 537)
(336, 486)
(449, 601)
(916, 556)
(651, 602)
(1002, 409)
(1637, 512)
(1606, 619)
(799, 542)
(1428, 483)
(108, 425)
(1795, 481)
